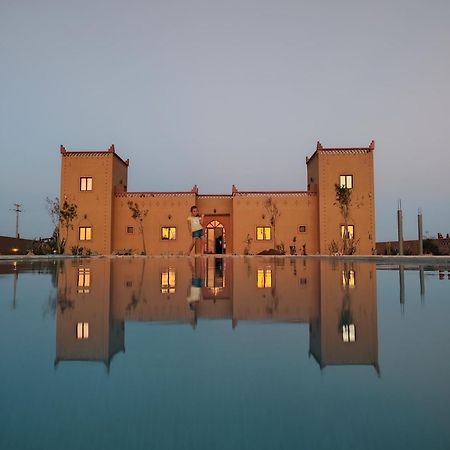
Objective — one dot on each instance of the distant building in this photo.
(97, 182)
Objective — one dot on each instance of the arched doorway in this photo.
(215, 237)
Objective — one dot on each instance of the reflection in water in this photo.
(96, 297)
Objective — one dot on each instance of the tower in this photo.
(351, 168)
(89, 180)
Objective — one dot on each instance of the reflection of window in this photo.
(84, 280)
(168, 233)
(85, 233)
(82, 330)
(348, 278)
(351, 231)
(346, 181)
(302, 229)
(263, 233)
(348, 333)
(168, 281)
(264, 278)
(86, 184)
(130, 230)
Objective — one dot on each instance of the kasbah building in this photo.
(235, 223)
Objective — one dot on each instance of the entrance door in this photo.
(215, 237)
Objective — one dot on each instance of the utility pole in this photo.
(17, 210)
(400, 227)
(420, 231)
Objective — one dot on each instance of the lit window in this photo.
(168, 281)
(351, 231)
(346, 181)
(348, 278)
(82, 330)
(348, 333)
(85, 233)
(263, 233)
(264, 278)
(168, 233)
(302, 229)
(84, 280)
(130, 230)
(86, 184)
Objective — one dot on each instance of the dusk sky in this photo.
(214, 93)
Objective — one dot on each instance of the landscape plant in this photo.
(139, 216)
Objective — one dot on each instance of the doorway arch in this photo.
(215, 238)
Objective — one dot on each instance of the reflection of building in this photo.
(85, 327)
(239, 222)
(96, 297)
(345, 330)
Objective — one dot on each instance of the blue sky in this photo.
(216, 93)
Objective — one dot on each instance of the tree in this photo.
(139, 215)
(61, 216)
(272, 210)
(344, 200)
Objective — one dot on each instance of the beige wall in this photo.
(295, 209)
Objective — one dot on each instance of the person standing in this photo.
(195, 225)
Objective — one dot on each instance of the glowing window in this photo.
(86, 184)
(346, 181)
(351, 231)
(168, 233)
(84, 280)
(348, 278)
(263, 233)
(168, 281)
(83, 330)
(348, 333)
(85, 233)
(264, 278)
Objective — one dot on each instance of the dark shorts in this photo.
(197, 234)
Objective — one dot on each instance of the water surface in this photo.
(223, 353)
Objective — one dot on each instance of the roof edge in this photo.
(111, 149)
(320, 149)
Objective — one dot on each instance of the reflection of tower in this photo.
(345, 332)
(85, 329)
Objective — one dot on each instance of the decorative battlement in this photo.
(341, 150)
(152, 194)
(93, 153)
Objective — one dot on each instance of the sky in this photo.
(217, 93)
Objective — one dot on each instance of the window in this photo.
(351, 231)
(264, 278)
(85, 233)
(302, 229)
(263, 233)
(346, 181)
(348, 278)
(86, 184)
(84, 280)
(168, 233)
(82, 330)
(168, 281)
(303, 281)
(129, 284)
(348, 333)
(130, 230)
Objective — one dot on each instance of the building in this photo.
(236, 223)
